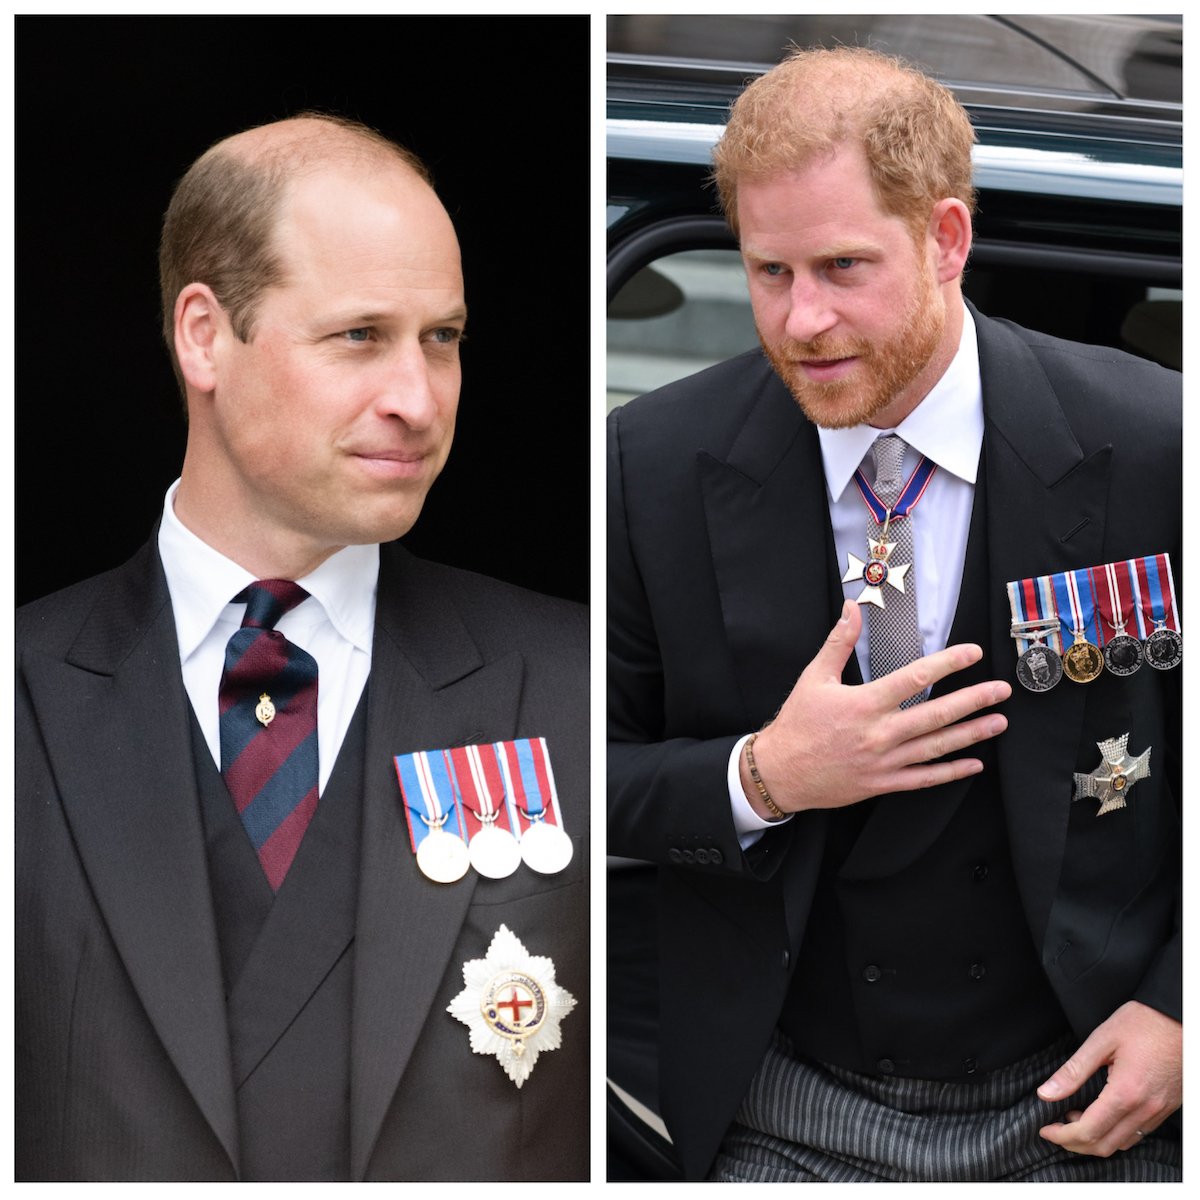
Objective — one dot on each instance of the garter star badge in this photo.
(1117, 773)
(512, 1005)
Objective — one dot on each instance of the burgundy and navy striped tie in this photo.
(268, 705)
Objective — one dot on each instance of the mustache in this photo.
(821, 349)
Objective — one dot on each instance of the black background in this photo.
(112, 110)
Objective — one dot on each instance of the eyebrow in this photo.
(353, 319)
(832, 250)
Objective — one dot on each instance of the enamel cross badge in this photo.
(512, 1005)
(875, 572)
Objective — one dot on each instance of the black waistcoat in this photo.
(930, 973)
(288, 966)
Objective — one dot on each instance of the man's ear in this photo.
(950, 229)
(198, 321)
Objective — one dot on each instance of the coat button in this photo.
(786, 960)
(872, 974)
(715, 856)
(886, 1066)
(702, 856)
(675, 854)
(970, 1066)
(979, 872)
(976, 971)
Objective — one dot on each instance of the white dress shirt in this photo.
(335, 625)
(946, 427)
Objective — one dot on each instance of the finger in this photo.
(830, 661)
(924, 673)
(946, 710)
(941, 742)
(1078, 1069)
(927, 775)
(1108, 1124)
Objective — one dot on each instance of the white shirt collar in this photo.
(202, 582)
(947, 426)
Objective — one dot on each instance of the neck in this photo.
(257, 547)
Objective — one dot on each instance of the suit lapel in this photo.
(430, 688)
(115, 718)
(769, 491)
(1052, 518)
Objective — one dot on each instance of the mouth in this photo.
(821, 370)
(391, 464)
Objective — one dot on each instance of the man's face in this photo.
(333, 420)
(847, 305)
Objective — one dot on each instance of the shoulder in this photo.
(1097, 383)
(51, 623)
(737, 409)
(501, 616)
(702, 407)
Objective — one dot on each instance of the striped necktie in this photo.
(268, 705)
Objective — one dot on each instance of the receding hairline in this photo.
(311, 142)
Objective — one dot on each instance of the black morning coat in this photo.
(723, 585)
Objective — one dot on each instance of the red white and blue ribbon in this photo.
(469, 792)
(1032, 601)
(429, 797)
(529, 780)
(910, 493)
(1137, 591)
(1156, 602)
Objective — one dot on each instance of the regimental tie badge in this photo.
(265, 710)
(512, 1005)
(1112, 780)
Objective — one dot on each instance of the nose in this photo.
(810, 313)
(410, 387)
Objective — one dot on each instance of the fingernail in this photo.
(1050, 1090)
(1001, 692)
(997, 725)
(845, 617)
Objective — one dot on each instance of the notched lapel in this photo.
(115, 722)
(430, 689)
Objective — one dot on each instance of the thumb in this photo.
(1076, 1071)
(833, 656)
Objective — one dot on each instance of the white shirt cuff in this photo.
(748, 824)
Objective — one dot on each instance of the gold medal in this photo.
(1082, 662)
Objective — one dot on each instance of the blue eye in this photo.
(844, 264)
(357, 335)
(448, 335)
(773, 268)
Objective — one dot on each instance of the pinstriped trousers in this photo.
(805, 1122)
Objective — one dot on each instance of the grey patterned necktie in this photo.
(894, 635)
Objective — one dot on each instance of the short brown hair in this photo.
(219, 224)
(916, 136)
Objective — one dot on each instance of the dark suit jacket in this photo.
(123, 1052)
(723, 585)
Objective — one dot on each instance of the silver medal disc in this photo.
(545, 848)
(1039, 668)
(443, 857)
(1164, 649)
(1122, 654)
(495, 852)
